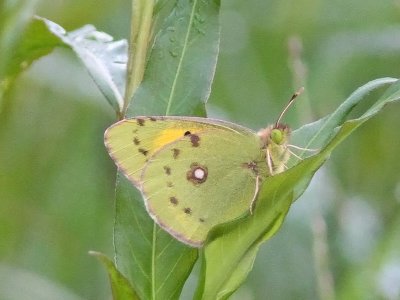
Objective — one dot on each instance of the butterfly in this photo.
(195, 173)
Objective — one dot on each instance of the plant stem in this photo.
(141, 24)
(325, 281)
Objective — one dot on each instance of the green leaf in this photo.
(121, 288)
(21, 40)
(104, 58)
(156, 264)
(36, 42)
(318, 133)
(177, 81)
(231, 246)
(182, 62)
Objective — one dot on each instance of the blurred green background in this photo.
(341, 238)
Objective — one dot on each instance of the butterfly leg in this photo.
(269, 163)
(294, 154)
(298, 148)
(253, 201)
(303, 149)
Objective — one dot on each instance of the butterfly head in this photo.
(277, 135)
(274, 141)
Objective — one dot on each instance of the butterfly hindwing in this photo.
(203, 179)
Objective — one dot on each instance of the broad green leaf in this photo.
(156, 264)
(230, 245)
(182, 62)
(120, 286)
(177, 81)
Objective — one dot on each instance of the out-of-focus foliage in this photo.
(56, 181)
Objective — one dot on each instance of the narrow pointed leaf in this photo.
(120, 286)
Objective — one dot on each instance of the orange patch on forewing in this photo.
(169, 135)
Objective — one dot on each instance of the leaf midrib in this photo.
(178, 69)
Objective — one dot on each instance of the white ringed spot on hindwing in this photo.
(197, 173)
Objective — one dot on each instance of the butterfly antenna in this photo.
(291, 100)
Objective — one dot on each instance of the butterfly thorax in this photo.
(274, 140)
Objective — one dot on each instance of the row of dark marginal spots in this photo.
(187, 210)
(142, 121)
(194, 139)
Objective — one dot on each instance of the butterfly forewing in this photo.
(132, 142)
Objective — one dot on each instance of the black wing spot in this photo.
(167, 170)
(173, 200)
(252, 165)
(143, 151)
(140, 121)
(187, 210)
(136, 141)
(187, 133)
(176, 153)
(194, 139)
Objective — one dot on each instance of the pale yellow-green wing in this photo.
(194, 173)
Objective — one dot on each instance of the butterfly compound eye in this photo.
(277, 136)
